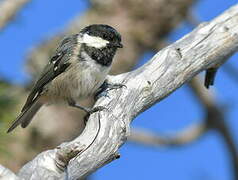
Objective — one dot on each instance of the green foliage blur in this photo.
(7, 111)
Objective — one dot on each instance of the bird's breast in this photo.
(80, 80)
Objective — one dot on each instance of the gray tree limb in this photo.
(210, 43)
(8, 9)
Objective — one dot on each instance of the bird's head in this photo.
(101, 36)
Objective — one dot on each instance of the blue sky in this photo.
(206, 158)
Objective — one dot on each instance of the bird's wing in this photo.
(57, 65)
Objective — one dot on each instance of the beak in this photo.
(119, 45)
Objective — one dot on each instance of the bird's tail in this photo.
(210, 77)
(26, 116)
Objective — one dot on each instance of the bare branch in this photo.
(6, 174)
(211, 43)
(8, 9)
(192, 19)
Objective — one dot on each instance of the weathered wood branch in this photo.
(8, 9)
(6, 174)
(211, 43)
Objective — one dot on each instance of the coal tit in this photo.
(76, 70)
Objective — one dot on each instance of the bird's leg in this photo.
(86, 109)
(89, 111)
(105, 87)
(73, 104)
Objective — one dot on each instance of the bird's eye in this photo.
(104, 36)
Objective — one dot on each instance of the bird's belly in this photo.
(76, 83)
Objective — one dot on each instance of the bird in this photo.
(76, 70)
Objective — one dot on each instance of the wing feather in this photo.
(57, 65)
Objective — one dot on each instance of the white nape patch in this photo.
(94, 41)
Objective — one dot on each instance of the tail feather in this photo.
(26, 116)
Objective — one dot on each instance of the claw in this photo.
(102, 94)
(96, 109)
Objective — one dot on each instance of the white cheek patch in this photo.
(94, 41)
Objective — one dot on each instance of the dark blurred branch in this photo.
(204, 96)
(184, 137)
(192, 19)
(215, 119)
(8, 9)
